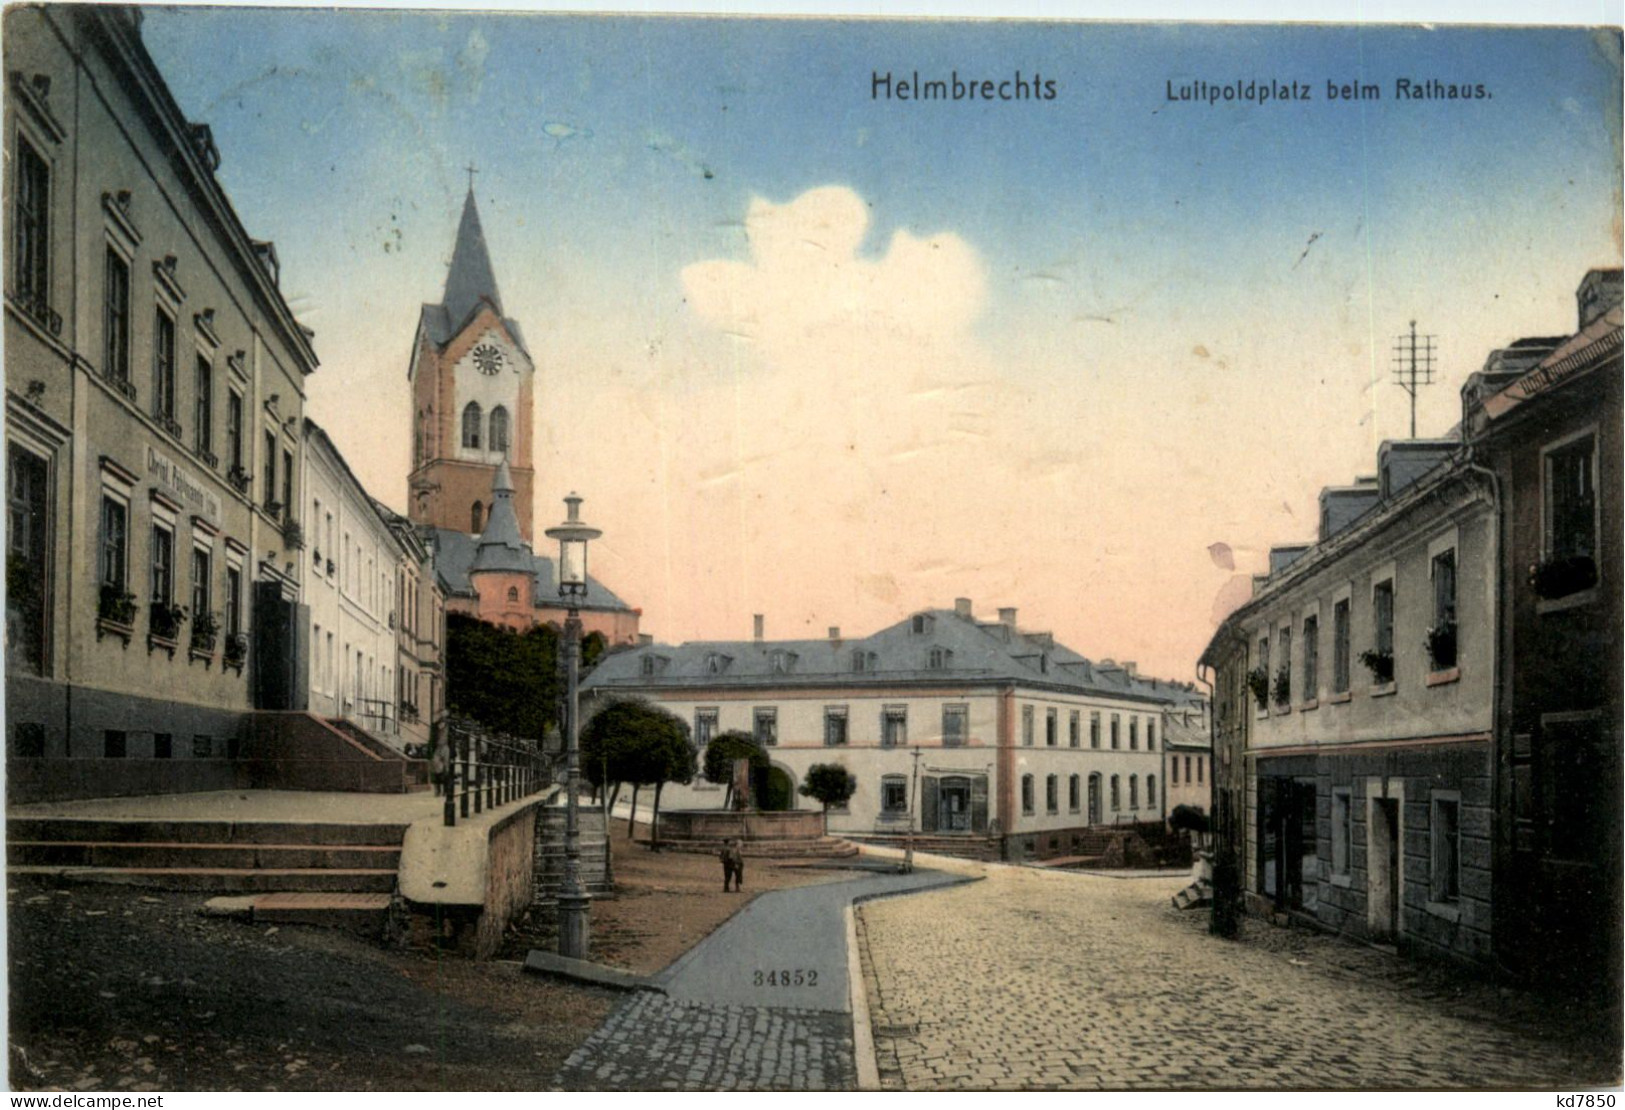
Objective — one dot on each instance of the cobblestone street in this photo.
(1045, 980)
(655, 1043)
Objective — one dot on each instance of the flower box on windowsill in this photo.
(1383, 689)
(1557, 578)
(197, 654)
(155, 641)
(236, 653)
(239, 479)
(1380, 664)
(1444, 677)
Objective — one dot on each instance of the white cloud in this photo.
(807, 283)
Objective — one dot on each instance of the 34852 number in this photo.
(799, 977)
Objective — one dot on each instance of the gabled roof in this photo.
(975, 652)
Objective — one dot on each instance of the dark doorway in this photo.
(1288, 869)
(26, 576)
(953, 809)
(774, 790)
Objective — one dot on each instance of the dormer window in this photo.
(716, 663)
(921, 624)
(938, 659)
(864, 661)
(1043, 664)
(782, 661)
(653, 665)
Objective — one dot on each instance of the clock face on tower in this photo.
(488, 358)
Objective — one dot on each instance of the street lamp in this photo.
(572, 536)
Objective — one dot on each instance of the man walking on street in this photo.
(733, 865)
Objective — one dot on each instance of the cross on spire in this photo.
(471, 172)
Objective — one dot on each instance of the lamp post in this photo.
(572, 536)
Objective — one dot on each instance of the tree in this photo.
(507, 681)
(632, 740)
(828, 783)
(720, 754)
(1188, 818)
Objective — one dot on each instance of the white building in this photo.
(1359, 682)
(356, 563)
(1017, 737)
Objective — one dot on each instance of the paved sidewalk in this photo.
(730, 1020)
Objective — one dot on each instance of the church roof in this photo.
(470, 281)
(455, 553)
(501, 546)
(470, 276)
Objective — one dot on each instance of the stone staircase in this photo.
(417, 770)
(823, 847)
(982, 848)
(1199, 893)
(549, 866)
(329, 873)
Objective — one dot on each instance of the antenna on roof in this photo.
(1413, 366)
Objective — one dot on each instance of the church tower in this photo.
(471, 381)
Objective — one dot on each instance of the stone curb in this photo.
(863, 1040)
(584, 971)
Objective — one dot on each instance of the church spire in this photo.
(502, 547)
(470, 276)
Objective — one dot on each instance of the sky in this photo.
(810, 352)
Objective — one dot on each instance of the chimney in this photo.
(835, 632)
(1007, 617)
(962, 608)
(757, 621)
(1131, 668)
(645, 639)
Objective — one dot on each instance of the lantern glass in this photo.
(573, 564)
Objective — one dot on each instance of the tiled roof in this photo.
(454, 555)
(976, 652)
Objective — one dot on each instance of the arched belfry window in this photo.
(471, 425)
(476, 517)
(499, 429)
(513, 593)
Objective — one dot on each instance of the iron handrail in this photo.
(485, 772)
